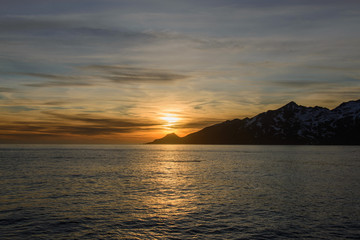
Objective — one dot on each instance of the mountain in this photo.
(170, 138)
(290, 124)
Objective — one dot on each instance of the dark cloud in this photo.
(93, 130)
(199, 105)
(336, 68)
(316, 84)
(44, 24)
(61, 31)
(112, 33)
(299, 84)
(102, 121)
(126, 74)
(58, 84)
(116, 74)
(56, 80)
(24, 126)
(16, 109)
(350, 94)
(47, 76)
(5, 89)
(78, 124)
(33, 137)
(22, 23)
(56, 103)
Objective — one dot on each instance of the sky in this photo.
(130, 71)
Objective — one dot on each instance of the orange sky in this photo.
(132, 71)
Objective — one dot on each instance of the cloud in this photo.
(57, 124)
(42, 25)
(87, 118)
(127, 74)
(65, 30)
(93, 130)
(6, 90)
(316, 84)
(13, 24)
(56, 103)
(48, 76)
(56, 80)
(47, 41)
(16, 109)
(115, 74)
(58, 84)
(300, 84)
(21, 126)
(336, 68)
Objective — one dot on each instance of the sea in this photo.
(179, 192)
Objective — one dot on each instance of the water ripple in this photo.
(179, 192)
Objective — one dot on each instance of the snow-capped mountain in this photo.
(290, 124)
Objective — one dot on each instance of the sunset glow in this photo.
(170, 119)
(130, 71)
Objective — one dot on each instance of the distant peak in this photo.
(170, 138)
(349, 103)
(290, 105)
(171, 135)
(345, 106)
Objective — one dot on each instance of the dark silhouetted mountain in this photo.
(171, 138)
(290, 124)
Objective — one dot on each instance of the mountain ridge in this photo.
(289, 124)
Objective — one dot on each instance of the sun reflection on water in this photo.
(172, 189)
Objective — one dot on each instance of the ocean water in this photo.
(179, 192)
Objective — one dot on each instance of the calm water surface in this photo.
(179, 192)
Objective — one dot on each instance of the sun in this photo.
(170, 119)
